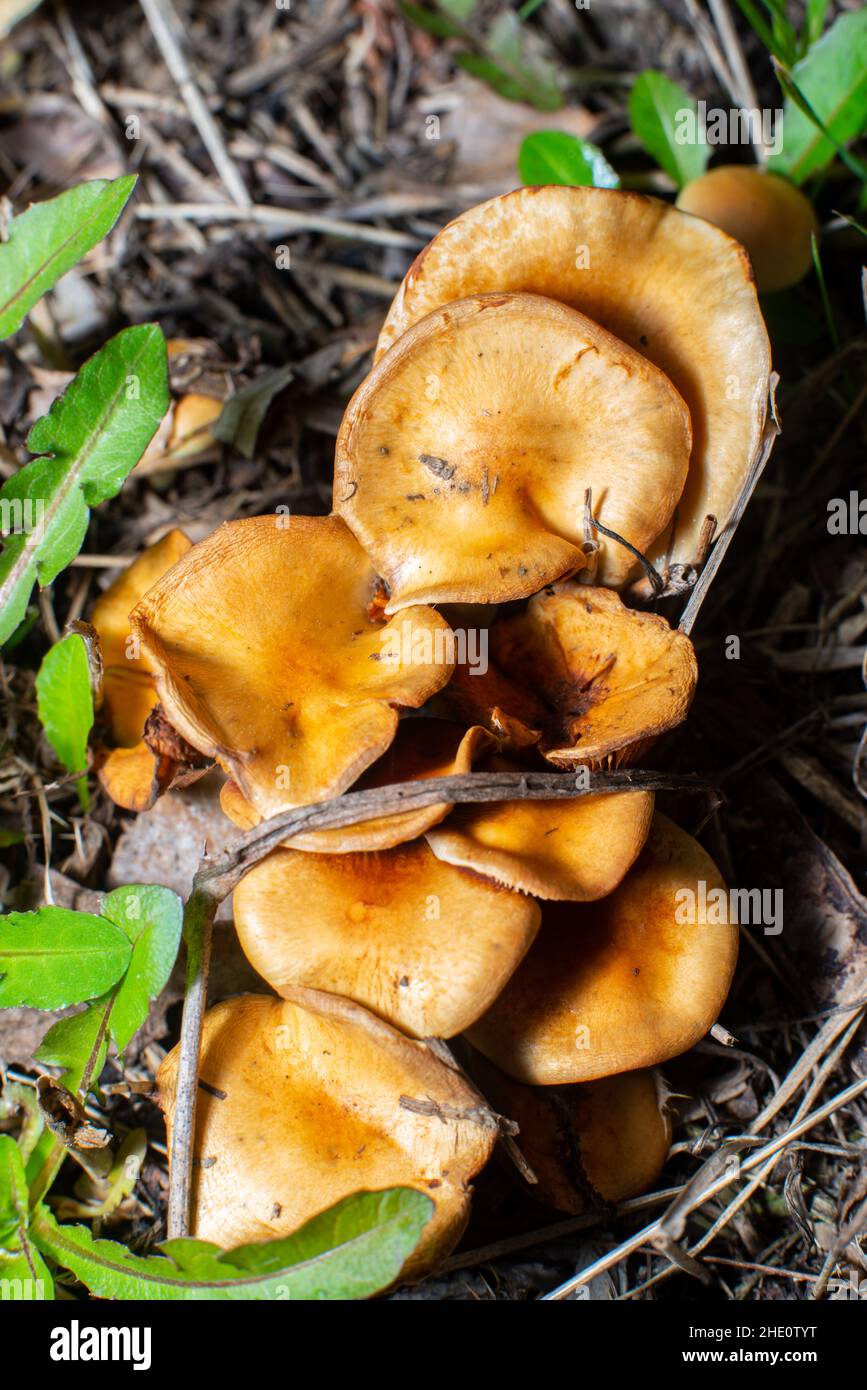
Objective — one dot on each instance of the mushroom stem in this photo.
(216, 877)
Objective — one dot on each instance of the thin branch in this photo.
(164, 25)
(278, 219)
(717, 555)
(755, 1160)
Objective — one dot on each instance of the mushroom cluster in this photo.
(569, 391)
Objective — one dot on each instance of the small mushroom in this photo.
(424, 945)
(422, 748)
(596, 1142)
(307, 1099)
(131, 773)
(464, 457)
(673, 287)
(575, 850)
(600, 679)
(267, 659)
(622, 983)
(767, 214)
(128, 688)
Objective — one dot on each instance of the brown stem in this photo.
(217, 877)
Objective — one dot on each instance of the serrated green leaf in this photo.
(64, 701)
(665, 119)
(92, 437)
(47, 240)
(54, 957)
(431, 23)
(351, 1251)
(152, 919)
(553, 156)
(832, 77)
(24, 1275)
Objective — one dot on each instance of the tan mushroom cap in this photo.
(135, 777)
(611, 677)
(570, 850)
(672, 286)
(420, 943)
(768, 215)
(422, 748)
(301, 1106)
(621, 983)
(463, 458)
(267, 660)
(605, 1139)
(128, 688)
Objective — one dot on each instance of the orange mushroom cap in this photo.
(605, 1139)
(131, 774)
(128, 688)
(304, 1102)
(768, 215)
(610, 678)
(622, 983)
(463, 458)
(576, 850)
(675, 288)
(422, 944)
(422, 748)
(267, 660)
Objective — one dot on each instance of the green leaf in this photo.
(241, 418)
(431, 23)
(54, 957)
(70, 1043)
(351, 1251)
(461, 9)
(24, 1275)
(92, 437)
(152, 919)
(665, 119)
(832, 78)
(47, 240)
(814, 22)
(534, 77)
(65, 703)
(553, 156)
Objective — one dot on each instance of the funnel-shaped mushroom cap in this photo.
(609, 676)
(603, 1139)
(463, 459)
(677, 289)
(622, 983)
(422, 944)
(266, 657)
(422, 748)
(128, 689)
(575, 850)
(304, 1101)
